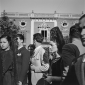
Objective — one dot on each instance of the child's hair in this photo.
(8, 39)
(38, 37)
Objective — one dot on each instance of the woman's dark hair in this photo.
(74, 32)
(38, 37)
(8, 39)
(56, 35)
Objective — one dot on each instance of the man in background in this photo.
(22, 61)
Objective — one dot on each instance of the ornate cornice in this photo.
(42, 15)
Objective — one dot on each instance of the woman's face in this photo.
(4, 43)
(53, 46)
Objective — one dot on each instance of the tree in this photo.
(8, 27)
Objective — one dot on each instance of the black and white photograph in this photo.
(42, 42)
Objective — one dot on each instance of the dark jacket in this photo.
(22, 64)
(76, 72)
(80, 69)
(6, 62)
(69, 52)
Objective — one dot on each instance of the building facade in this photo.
(31, 23)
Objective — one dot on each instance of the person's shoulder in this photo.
(11, 52)
(41, 49)
(69, 45)
(24, 50)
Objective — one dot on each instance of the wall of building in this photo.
(34, 22)
(70, 22)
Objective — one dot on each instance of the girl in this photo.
(57, 43)
(6, 55)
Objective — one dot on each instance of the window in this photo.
(64, 23)
(44, 34)
(22, 24)
(44, 30)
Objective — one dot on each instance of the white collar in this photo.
(20, 47)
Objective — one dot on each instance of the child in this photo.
(39, 61)
(22, 61)
(6, 56)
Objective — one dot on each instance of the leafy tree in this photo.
(8, 27)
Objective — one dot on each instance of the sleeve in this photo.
(67, 55)
(25, 64)
(44, 64)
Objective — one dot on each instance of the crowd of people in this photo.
(61, 64)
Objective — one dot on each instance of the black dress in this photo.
(56, 70)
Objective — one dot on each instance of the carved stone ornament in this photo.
(64, 23)
(22, 24)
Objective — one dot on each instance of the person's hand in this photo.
(49, 79)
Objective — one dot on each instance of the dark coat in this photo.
(22, 64)
(6, 62)
(69, 52)
(76, 72)
(80, 69)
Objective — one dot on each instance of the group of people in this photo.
(14, 63)
(54, 68)
(69, 68)
(8, 74)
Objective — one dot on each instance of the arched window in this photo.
(44, 30)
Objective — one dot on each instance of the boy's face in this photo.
(53, 46)
(19, 41)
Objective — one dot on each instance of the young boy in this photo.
(22, 61)
(39, 61)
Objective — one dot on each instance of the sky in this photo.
(43, 6)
